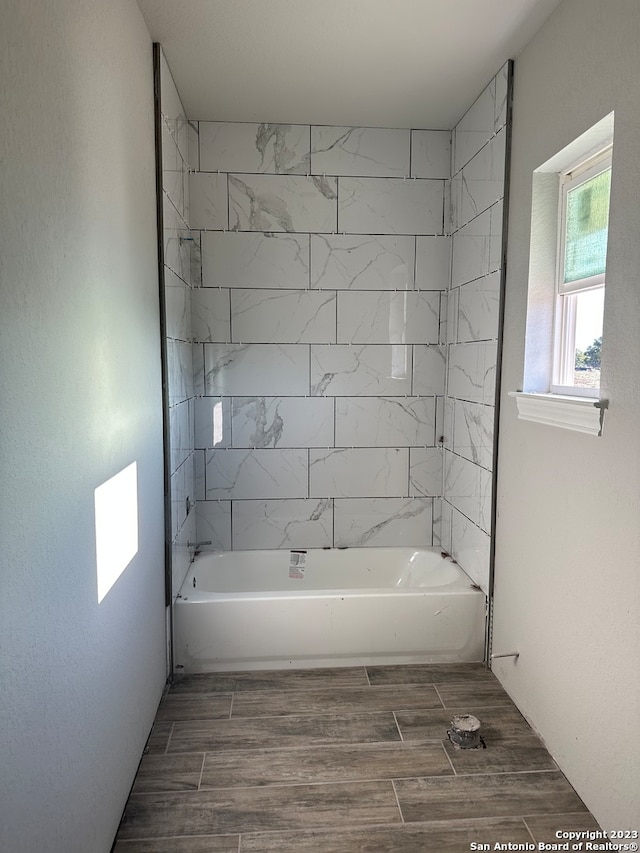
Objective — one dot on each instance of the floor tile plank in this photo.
(495, 723)
(168, 773)
(479, 693)
(499, 795)
(200, 844)
(507, 754)
(276, 679)
(258, 809)
(263, 733)
(159, 738)
(215, 706)
(435, 837)
(324, 764)
(345, 700)
(544, 827)
(428, 673)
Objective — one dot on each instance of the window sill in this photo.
(581, 414)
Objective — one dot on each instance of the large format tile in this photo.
(159, 738)
(282, 203)
(213, 525)
(292, 730)
(359, 472)
(429, 362)
(505, 794)
(384, 421)
(283, 316)
(504, 754)
(210, 315)
(428, 724)
(470, 547)
(279, 679)
(430, 154)
(252, 474)
(367, 262)
(478, 309)
(433, 258)
(388, 318)
(360, 151)
(425, 471)
(430, 673)
(189, 707)
(390, 206)
(208, 206)
(181, 844)
(380, 522)
(294, 523)
(245, 259)
(475, 128)
(250, 369)
(473, 432)
(255, 809)
(543, 828)
(481, 183)
(472, 372)
(333, 701)
(487, 693)
(323, 764)
(364, 369)
(169, 773)
(282, 421)
(248, 147)
(212, 427)
(435, 837)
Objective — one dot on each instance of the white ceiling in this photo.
(390, 63)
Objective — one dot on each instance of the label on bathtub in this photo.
(297, 561)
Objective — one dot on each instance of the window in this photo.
(566, 287)
(580, 276)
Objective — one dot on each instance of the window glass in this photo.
(587, 219)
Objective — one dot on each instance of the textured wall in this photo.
(319, 359)
(80, 390)
(477, 190)
(568, 542)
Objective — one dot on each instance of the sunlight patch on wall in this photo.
(116, 508)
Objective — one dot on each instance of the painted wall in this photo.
(477, 192)
(319, 359)
(80, 391)
(180, 252)
(568, 540)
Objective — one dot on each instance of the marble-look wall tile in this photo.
(371, 522)
(475, 128)
(433, 259)
(352, 262)
(428, 370)
(177, 316)
(199, 474)
(253, 260)
(495, 248)
(360, 151)
(384, 422)
(353, 473)
(197, 355)
(472, 372)
(478, 309)
(390, 206)
(282, 203)
(480, 184)
(430, 154)
(282, 524)
(195, 258)
(470, 547)
(193, 146)
(425, 471)
(467, 487)
(247, 370)
(212, 422)
(208, 202)
(502, 83)
(246, 147)
(473, 432)
(244, 474)
(213, 524)
(179, 371)
(471, 250)
(182, 552)
(394, 318)
(179, 434)
(445, 512)
(210, 321)
(282, 422)
(366, 370)
(283, 316)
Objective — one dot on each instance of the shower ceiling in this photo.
(392, 63)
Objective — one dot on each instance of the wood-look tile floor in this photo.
(342, 760)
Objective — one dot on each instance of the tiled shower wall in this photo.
(319, 328)
(477, 191)
(178, 252)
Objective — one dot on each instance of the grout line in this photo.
(448, 757)
(395, 792)
(366, 675)
(435, 687)
(533, 838)
(204, 755)
(231, 705)
(395, 719)
(166, 749)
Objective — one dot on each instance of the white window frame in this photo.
(565, 308)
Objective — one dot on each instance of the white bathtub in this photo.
(245, 610)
